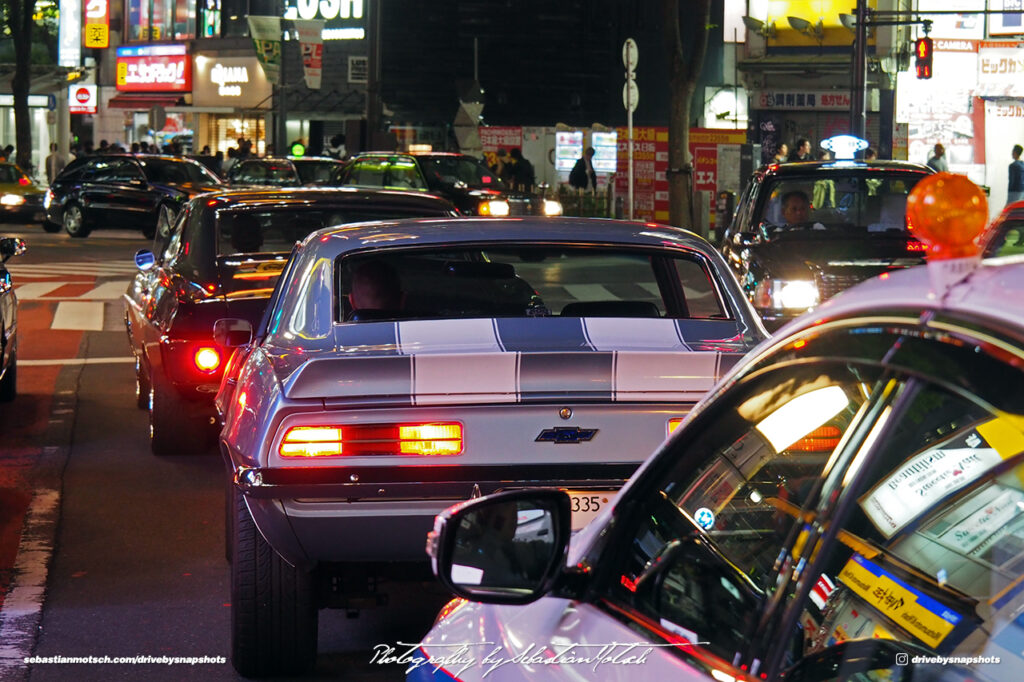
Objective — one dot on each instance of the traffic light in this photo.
(923, 57)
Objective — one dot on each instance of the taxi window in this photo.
(734, 499)
(854, 203)
(933, 552)
(367, 173)
(403, 174)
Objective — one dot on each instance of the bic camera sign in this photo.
(329, 9)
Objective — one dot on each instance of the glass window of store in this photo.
(233, 14)
(160, 20)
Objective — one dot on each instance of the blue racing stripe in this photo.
(539, 334)
(553, 375)
(699, 333)
(377, 338)
(429, 673)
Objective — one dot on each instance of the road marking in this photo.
(107, 290)
(36, 290)
(589, 292)
(79, 315)
(74, 361)
(23, 605)
(111, 268)
(651, 287)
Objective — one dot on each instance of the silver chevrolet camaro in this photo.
(405, 366)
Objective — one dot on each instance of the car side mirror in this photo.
(11, 246)
(232, 332)
(506, 548)
(145, 260)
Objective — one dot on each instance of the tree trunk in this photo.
(21, 30)
(686, 40)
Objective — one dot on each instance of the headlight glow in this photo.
(552, 207)
(12, 200)
(495, 207)
(795, 294)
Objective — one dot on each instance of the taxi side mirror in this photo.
(506, 548)
(232, 333)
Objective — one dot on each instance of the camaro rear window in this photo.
(531, 280)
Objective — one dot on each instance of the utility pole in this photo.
(858, 113)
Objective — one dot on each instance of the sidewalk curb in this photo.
(22, 611)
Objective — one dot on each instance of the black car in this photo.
(1005, 237)
(140, 191)
(803, 232)
(462, 179)
(222, 259)
(9, 246)
(288, 172)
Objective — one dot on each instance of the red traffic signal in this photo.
(923, 57)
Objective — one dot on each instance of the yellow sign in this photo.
(97, 35)
(914, 612)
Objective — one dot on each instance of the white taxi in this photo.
(848, 503)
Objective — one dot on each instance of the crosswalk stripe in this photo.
(589, 292)
(78, 315)
(35, 290)
(94, 268)
(107, 290)
(651, 287)
(74, 361)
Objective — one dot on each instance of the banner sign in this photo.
(154, 68)
(650, 162)
(97, 23)
(311, 43)
(266, 38)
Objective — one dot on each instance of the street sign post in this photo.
(630, 97)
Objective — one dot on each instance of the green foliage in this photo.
(45, 31)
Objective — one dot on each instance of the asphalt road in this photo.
(137, 566)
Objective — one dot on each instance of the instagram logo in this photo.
(902, 659)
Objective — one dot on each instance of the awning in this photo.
(142, 101)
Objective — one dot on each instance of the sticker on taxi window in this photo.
(928, 477)
(922, 616)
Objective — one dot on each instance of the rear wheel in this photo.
(273, 611)
(74, 221)
(173, 430)
(9, 384)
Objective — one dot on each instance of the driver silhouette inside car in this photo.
(375, 292)
(796, 210)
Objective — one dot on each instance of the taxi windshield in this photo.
(853, 201)
(458, 171)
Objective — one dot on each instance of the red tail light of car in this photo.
(435, 439)
(206, 359)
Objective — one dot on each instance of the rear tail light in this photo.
(916, 247)
(206, 359)
(673, 424)
(436, 439)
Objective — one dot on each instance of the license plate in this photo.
(586, 504)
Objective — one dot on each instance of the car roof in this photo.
(991, 292)
(415, 154)
(248, 196)
(430, 231)
(807, 167)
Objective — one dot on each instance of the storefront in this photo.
(1000, 64)
(231, 98)
(149, 80)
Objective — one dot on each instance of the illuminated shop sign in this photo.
(153, 68)
(229, 81)
(97, 23)
(344, 19)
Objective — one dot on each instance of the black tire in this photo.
(173, 430)
(51, 227)
(229, 516)
(273, 611)
(9, 384)
(74, 223)
(142, 386)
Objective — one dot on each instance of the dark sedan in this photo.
(464, 180)
(803, 232)
(1005, 237)
(139, 191)
(289, 172)
(222, 259)
(9, 246)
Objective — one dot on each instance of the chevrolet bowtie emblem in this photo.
(565, 434)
